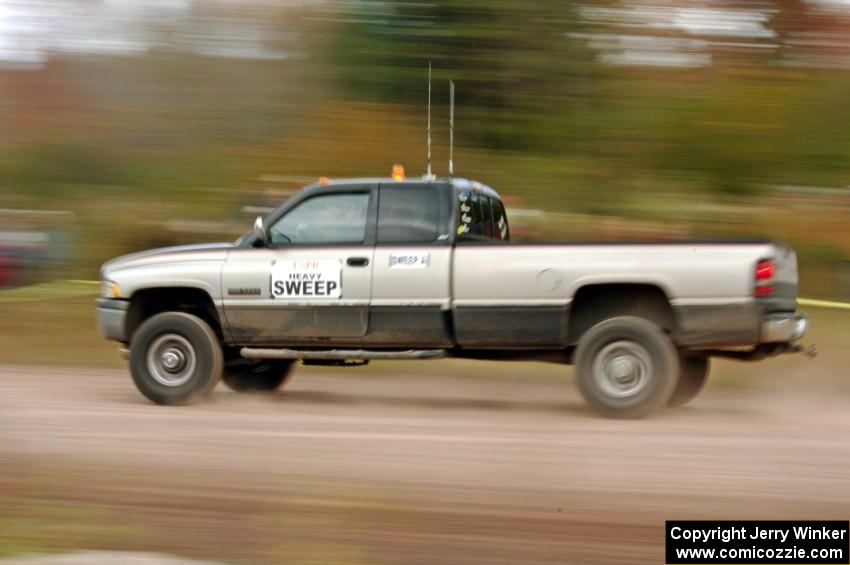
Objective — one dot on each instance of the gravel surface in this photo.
(347, 466)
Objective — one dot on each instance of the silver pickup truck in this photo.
(353, 270)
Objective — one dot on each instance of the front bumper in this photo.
(783, 328)
(111, 315)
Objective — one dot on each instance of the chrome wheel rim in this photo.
(622, 369)
(171, 360)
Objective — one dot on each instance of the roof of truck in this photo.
(456, 183)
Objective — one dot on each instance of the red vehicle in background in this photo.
(8, 267)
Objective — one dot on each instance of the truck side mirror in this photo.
(259, 230)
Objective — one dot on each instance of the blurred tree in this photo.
(50, 171)
(521, 78)
(612, 107)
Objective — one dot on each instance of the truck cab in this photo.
(357, 262)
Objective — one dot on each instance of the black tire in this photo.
(626, 367)
(182, 340)
(692, 378)
(258, 376)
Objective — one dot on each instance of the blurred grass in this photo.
(54, 324)
(49, 291)
(31, 526)
(60, 330)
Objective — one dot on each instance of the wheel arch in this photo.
(593, 303)
(147, 302)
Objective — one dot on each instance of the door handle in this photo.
(357, 261)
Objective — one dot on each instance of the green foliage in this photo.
(50, 169)
(518, 72)
(529, 82)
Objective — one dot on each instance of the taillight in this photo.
(764, 278)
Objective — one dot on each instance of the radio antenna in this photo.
(428, 175)
(451, 127)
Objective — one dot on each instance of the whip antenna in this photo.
(428, 175)
(451, 127)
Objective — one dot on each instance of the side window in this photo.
(476, 227)
(480, 217)
(330, 218)
(501, 230)
(408, 215)
(466, 221)
(486, 217)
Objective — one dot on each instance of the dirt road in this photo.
(352, 467)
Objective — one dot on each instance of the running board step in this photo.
(340, 354)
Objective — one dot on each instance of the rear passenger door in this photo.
(411, 297)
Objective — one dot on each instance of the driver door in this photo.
(312, 281)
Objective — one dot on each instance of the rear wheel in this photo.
(175, 358)
(268, 375)
(692, 379)
(626, 367)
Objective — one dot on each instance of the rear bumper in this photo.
(111, 315)
(783, 328)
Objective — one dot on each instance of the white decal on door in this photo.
(410, 260)
(308, 280)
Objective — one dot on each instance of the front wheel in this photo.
(175, 358)
(626, 367)
(257, 376)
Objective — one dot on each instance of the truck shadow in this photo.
(301, 397)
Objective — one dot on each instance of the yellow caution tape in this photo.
(823, 303)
